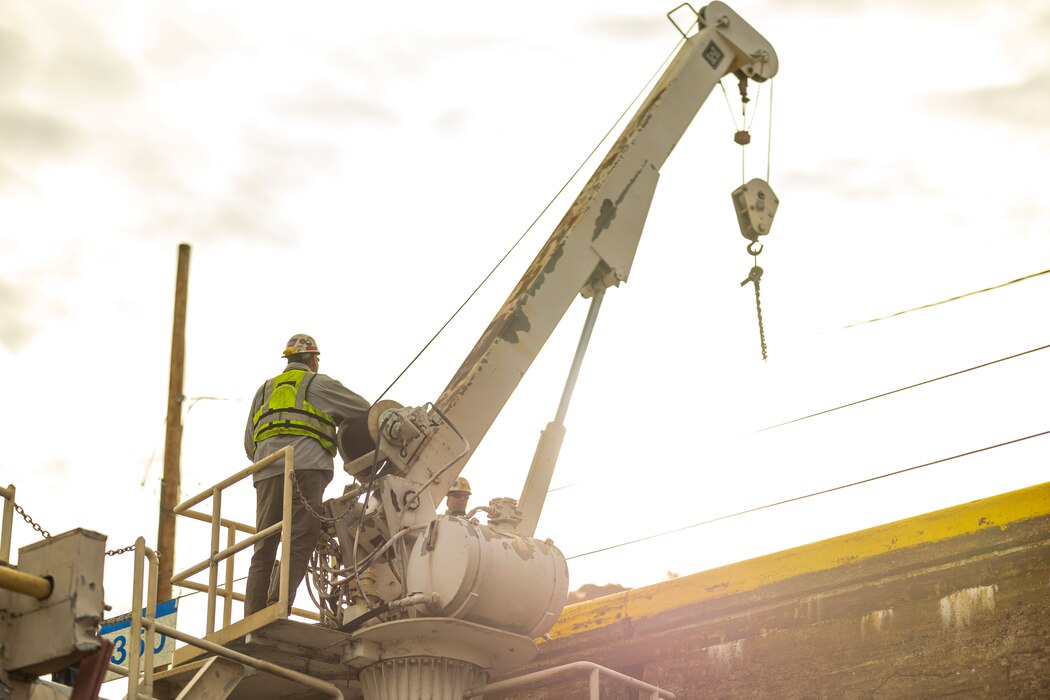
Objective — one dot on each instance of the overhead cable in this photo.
(903, 388)
(945, 301)
(810, 495)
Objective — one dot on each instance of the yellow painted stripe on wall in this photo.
(997, 511)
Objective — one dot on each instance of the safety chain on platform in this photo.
(34, 524)
(309, 509)
(47, 535)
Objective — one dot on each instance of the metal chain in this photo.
(36, 526)
(47, 535)
(311, 511)
(758, 308)
(755, 276)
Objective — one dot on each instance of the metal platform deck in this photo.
(308, 648)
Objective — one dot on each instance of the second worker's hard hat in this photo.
(461, 485)
(301, 343)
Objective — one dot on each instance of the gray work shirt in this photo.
(326, 394)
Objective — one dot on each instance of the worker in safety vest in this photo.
(301, 408)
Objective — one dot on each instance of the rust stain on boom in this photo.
(511, 318)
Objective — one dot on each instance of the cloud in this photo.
(89, 74)
(29, 133)
(453, 122)
(334, 106)
(11, 178)
(15, 330)
(13, 57)
(59, 79)
(57, 54)
(860, 180)
(190, 43)
(246, 203)
(1025, 104)
(634, 27)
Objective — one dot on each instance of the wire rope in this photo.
(811, 495)
(904, 388)
(535, 220)
(769, 136)
(945, 301)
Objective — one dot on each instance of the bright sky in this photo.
(354, 171)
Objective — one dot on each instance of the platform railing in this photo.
(9, 512)
(135, 657)
(11, 578)
(548, 676)
(146, 626)
(232, 546)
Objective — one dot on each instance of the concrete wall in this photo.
(954, 603)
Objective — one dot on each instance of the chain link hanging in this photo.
(47, 535)
(755, 276)
(36, 526)
(309, 509)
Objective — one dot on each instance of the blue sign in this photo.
(118, 631)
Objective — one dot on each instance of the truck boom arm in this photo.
(594, 244)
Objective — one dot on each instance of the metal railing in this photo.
(232, 546)
(9, 514)
(12, 579)
(142, 553)
(148, 625)
(547, 676)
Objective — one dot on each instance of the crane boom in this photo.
(595, 242)
(474, 597)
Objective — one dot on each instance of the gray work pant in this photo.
(269, 499)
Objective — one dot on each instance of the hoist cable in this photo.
(945, 301)
(904, 388)
(754, 112)
(769, 136)
(811, 495)
(729, 106)
(572, 177)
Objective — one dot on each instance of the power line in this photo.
(810, 495)
(945, 301)
(904, 388)
(878, 396)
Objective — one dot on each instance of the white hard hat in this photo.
(301, 343)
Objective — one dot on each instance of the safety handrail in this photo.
(232, 546)
(546, 676)
(139, 621)
(142, 553)
(9, 513)
(12, 579)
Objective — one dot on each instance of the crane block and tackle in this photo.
(417, 587)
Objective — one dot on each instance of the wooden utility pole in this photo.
(170, 484)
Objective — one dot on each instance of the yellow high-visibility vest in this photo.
(287, 412)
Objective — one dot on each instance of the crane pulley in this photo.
(755, 205)
(754, 201)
